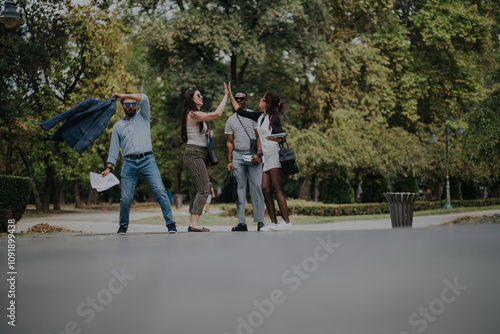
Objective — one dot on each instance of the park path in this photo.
(104, 221)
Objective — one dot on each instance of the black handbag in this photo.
(212, 158)
(287, 159)
(230, 190)
(253, 142)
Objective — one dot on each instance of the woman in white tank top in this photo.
(194, 133)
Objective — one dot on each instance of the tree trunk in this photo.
(56, 196)
(177, 181)
(8, 161)
(93, 197)
(47, 189)
(34, 189)
(316, 189)
(357, 192)
(241, 76)
(437, 190)
(234, 63)
(76, 190)
(62, 195)
(305, 189)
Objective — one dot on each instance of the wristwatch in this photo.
(110, 169)
(260, 155)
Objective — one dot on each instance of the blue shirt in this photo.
(134, 136)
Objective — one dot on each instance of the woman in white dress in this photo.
(268, 123)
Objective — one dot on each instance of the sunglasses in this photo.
(199, 95)
(240, 98)
(128, 104)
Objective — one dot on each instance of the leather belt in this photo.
(138, 156)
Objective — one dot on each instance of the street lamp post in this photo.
(433, 139)
(9, 16)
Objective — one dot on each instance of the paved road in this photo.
(102, 221)
(423, 280)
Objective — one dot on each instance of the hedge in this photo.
(14, 195)
(339, 189)
(319, 209)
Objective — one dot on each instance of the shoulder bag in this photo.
(253, 142)
(287, 159)
(212, 158)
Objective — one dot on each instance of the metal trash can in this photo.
(401, 207)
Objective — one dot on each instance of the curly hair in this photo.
(275, 105)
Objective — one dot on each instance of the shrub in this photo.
(405, 185)
(14, 195)
(469, 190)
(373, 188)
(339, 189)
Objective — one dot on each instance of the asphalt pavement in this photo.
(422, 280)
(105, 222)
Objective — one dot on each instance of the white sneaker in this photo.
(282, 226)
(267, 227)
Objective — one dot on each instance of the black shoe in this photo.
(172, 229)
(260, 225)
(240, 227)
(122, 230)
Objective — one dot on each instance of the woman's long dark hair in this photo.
(189, 105)
(275, 105)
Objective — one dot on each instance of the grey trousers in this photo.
(253, 173)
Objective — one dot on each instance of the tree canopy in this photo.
(365, 82)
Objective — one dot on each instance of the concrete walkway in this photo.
(104, 222)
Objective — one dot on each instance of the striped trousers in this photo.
(195, 161)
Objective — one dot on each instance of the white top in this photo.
(269, 148)
(195, 137)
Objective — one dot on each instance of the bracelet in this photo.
(260, 154)
(230, 161)
(110, 169)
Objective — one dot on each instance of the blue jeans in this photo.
(146, 167)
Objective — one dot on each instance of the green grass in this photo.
(223, 220)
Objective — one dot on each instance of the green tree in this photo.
(61, 56)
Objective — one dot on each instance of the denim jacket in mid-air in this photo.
(83, 124)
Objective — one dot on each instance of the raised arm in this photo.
(200, 116)
(233, 101)
(253, 115)
(120, 97)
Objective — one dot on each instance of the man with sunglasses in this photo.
(132, 133)
(240, 131)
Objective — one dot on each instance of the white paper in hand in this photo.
(277, 135)
(247, 158)
(100, 183)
